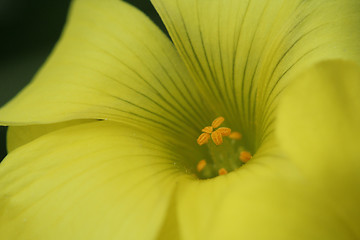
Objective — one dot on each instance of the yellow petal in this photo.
(170, 228)
(92, 181)
(20, 135)
(111, 62)
(244, 53)
(265, 199)
(319, 129)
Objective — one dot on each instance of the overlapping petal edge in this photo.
(241, 72)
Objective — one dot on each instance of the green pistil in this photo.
(226, 155)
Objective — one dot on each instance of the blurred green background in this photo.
(29, 30)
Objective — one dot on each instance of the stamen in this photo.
(224, 131)
(203, 138)
(217, 122)
(245, 156)
(224, 158)
(201, 165)
(216, 137)
(235, 135)
(207, 129)
(222, 171)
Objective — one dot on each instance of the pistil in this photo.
(226, 150)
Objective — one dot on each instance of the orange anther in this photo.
(224, 131)
(245, 156)
(207, 129)
(217, 137)
(235, 135)
(201, 165)
(217, 122)
(222, 171)
(203, 138)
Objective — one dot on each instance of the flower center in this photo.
(226, 151)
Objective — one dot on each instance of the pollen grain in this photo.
(224, 131)
(222, 171)
(201, 165)
(245, 156)
(207, 129)
(217, 137)
(217, 122)
(203, 138)
(235, 135)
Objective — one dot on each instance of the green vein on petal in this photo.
(90, 181)
(242, 54)
(113, 63)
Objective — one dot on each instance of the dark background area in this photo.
(29, 31)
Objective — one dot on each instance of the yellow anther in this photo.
(201, 165)
(222, 171)
(235, 135)
(224, 131)
(203, 138)
(245, 156)
(207, 129)
(217, 137)
(217, 122)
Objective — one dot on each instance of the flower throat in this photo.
(226, 151)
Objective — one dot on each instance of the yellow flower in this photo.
(103, 142)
